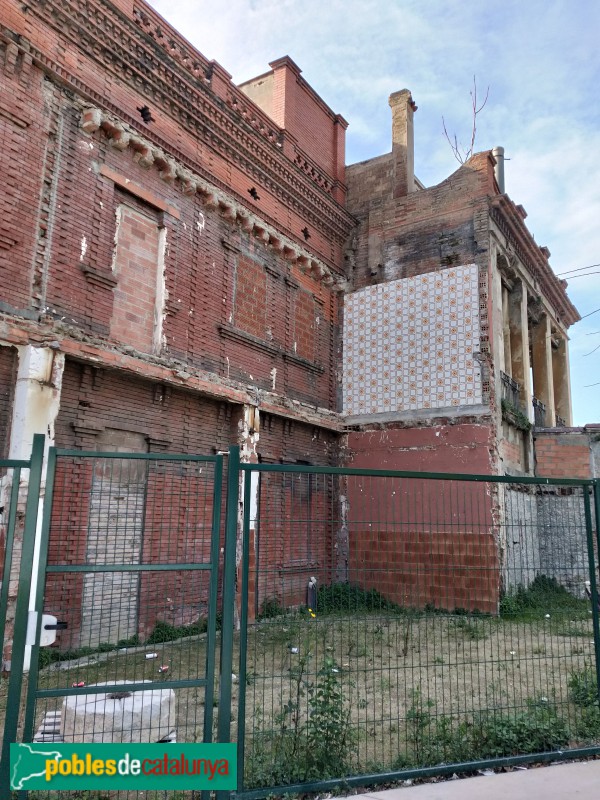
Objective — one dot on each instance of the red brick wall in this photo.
(200, 278)
(175, 420)
(250, 297)
(427, 230)
(298, 516)
(420, 541)
(136, 267)
(562, 454)
(24, 122)
(8, 376)
(67, 186)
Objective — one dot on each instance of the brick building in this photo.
(187, 264)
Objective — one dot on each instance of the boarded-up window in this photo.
(138, 267)
(110, 599)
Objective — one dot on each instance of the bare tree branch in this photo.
(460, 154)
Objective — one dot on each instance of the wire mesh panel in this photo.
(129, 568)
(401, 622)
(10, 546)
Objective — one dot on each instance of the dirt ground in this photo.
(387, 666)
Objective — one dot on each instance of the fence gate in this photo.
(128, 580)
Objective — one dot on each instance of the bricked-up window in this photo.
(308, 323)
(138, 266)
(250, 300)
(110, 600)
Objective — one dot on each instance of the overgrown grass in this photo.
(162, 632)
(544, 595)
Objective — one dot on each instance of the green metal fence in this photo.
(402, 624)
(17, 534)
(370, 625)
(129, 567)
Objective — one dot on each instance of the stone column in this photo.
(562, 382)
(37, 398)
(506, 332)
(543, 383)
(519, 345)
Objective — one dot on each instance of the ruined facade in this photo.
(188, 264)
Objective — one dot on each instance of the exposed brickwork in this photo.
(173, 420)
(137, 267)
(250, 297)
(561, 454)
(434, 568)
(8, 376)
(458, 447)
(427, 542)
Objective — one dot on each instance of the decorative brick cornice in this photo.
(183, 86)
(173, 172)
(510, 220)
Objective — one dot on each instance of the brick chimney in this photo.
(403, 142)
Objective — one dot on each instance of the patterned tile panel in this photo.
(410, 344)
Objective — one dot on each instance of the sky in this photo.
(540, 61)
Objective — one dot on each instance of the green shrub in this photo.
(270, 607)
(339, 598)
(537, 729)
(583, 687)
(544, 594)
(163, 632)
(587, 725)
(311, 738)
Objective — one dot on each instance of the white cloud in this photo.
(539, 59)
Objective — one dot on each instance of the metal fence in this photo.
(20, 482)
(403, 624)
(129, 570)
(370, 625)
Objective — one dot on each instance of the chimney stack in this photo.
(403, 142)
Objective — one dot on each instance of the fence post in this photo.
(231, 526)
(8, 552)
(597, 513)
(15, 684)
(592, 569)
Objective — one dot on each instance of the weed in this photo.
(347, 598)
(587, 725)
(536, 729)
(314, 737)
(49, 655)
(544, 594)
(474, 631)
(583, 687)
(270, 607)
(163, 632)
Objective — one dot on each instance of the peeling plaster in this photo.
(160, 309)
(84, 247)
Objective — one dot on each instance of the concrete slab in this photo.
(551, 782)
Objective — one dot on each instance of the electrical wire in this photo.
(579, 269)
